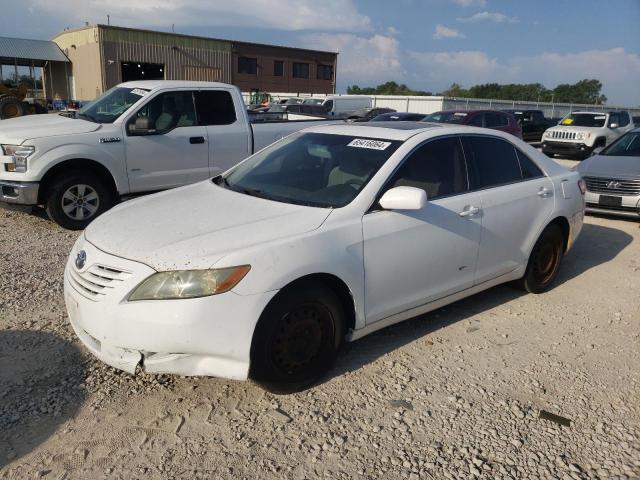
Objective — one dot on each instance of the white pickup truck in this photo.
(138, 137)
(579, 133)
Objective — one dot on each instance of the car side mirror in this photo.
(404, 198)
(596, 151)
(614, 125)
(142, 126)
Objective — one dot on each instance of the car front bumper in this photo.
(630, 205)
(202, 336)
(566, 148)
(21, 193)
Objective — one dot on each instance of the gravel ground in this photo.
(457, 393)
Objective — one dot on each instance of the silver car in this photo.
(613, 177)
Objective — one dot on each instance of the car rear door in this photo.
(229, 134)
(414, 257)
(517, 201)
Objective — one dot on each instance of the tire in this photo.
(10, 107)
(94, 195)
(544, 261)
(297, 338)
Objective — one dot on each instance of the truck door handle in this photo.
(544, 192)
(469, 211)
(193, 140)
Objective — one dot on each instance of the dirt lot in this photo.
(453, 394)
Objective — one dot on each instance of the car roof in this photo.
(471, 111)
(155, 84)
(394, 130)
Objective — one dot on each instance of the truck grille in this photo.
(97, 281)
(613, 186)
(563, 135)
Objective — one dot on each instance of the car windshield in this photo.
(627, 145)
(446, 117)
(313, 169)
(584, 120)
(113, 103)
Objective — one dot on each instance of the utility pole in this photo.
(108, 19)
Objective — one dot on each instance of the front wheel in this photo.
(297, 338)
(74, 201)
(544, 261)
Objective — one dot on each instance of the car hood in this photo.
(611, 166)
(193, 227)
(18, 130)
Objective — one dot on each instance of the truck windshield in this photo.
(627, 145)
(584, 120)
(446, 117)
(113, 103)
(313, 169)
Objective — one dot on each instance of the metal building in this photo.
(104, 55)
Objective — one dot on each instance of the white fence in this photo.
(422, 104)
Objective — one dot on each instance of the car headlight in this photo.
(547, 134)
(189, 283)
(580, 136)
(19, 154)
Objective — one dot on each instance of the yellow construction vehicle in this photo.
(12, 102)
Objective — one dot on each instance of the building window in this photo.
(278, 68)
(300, 70)
(325, 72)
(248, 65)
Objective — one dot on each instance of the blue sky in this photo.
(427, 44)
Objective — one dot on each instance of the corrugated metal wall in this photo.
(184, 58)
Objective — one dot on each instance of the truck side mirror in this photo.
(142, 126)
(614, 125)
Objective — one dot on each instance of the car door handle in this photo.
(193, 140)
(469, 211)
(544, 192)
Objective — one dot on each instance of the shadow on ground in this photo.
(41, 387)
(595, 245)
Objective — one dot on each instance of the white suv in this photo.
(579, 133)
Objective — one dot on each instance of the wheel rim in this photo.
(546, 261)
(301, 338)
(80, 202)
(10, 111)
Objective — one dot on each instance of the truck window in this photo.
(215, 107)
(168, 111)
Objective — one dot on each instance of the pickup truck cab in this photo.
(579, 133)
(138, 137)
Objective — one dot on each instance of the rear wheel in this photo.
(74, 201)
(297, 338)
(544, 261)
(10, 107)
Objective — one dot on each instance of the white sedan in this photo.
(325, 236)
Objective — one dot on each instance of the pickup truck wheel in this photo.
(544, 261)
(297, 338)
(73, 202)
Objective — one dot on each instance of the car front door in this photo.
(414, 257)
(517, 201)
(171, 150)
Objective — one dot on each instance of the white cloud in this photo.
(617, 69)
(333, 15)
(470, 3)
(488, 17)
(361, 60)
(444, 32)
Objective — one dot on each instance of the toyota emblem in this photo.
(81, 258)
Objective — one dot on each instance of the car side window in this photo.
(215, 107)
(476, 120)
(437, 167)
(492, 161)
(527, 166)
(167, 111)
(495, 120)
(613, 118)
(624, 119)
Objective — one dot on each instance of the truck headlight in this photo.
(19, 154)
(189, 283)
